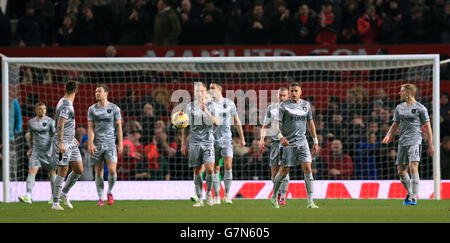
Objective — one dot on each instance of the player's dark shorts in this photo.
(409, 153)
(105, 153)
(42, 159)
(275, 153)
(293, 155)
(199, 154)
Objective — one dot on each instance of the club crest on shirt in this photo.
(44, 124)
(64, 111)
(413, 111)
(305, 108)
(109, 110)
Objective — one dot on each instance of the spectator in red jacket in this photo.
(339, 164)
(132, 151)
(157, 155)
(328, 25)
(369, 26)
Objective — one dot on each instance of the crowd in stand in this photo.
(230, 22)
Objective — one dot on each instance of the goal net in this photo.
(353, 99)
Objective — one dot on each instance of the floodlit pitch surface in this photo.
(241, 211)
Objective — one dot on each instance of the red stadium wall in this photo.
(187, 51)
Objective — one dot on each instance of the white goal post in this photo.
(225, 64)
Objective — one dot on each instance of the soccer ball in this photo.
(180, 120)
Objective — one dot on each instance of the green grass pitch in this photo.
(241, 211)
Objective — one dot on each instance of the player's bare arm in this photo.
(119, 137)
(238, 123)
(60, 132)
(263, 135)
(276, 130)
(183, 142)
(312, 130)
(388, 136)
(30, 144)
(429, 138)
(91, 147)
